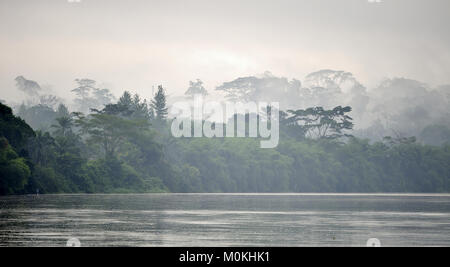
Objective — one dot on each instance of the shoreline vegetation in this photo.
(126, 147)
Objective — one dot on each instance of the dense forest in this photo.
(125, 145)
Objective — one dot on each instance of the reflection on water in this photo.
(225, 220)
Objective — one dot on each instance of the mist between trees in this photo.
(335, 136)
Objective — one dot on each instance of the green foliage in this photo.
(64, 125)
(14, 129)
(39, 117)
(190, 179)
(111, 175)
(131, 107)
(47, 180)
(159, 104)
(110, 131)
(61, 163)
(40, 147)
(233, 165)
(323, 124)
(120, 149)
(14, 172)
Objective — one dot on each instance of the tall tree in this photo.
(91, 97)
(126, 100)
(63, 126)
(110, 131)
(85, 86)
(159, 104)
(128, 106)
(63, 111)
(323, 124)
(140, 108)
(196, 88)
(40, 147)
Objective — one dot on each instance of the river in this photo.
(203, 220)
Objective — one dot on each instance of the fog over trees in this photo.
(336, 135)
(396, 107)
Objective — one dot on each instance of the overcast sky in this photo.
(134, 44)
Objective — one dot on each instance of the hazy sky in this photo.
(134, 44)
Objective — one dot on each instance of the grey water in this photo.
(203, 220)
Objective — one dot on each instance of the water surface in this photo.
(225, 220)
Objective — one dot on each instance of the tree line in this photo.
(126, 147)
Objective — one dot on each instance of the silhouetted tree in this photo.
(196, 88)
(125, 100)
(159, 104)
(323, 124)
(91, 97)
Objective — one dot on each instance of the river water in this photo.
(202, 220)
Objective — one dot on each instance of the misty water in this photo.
(225, 220)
